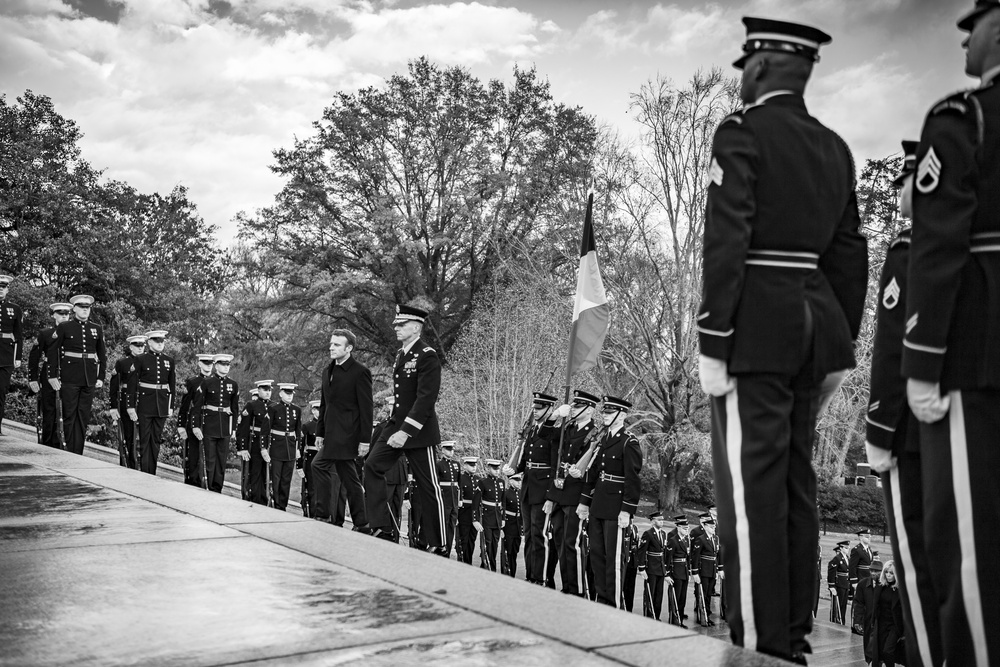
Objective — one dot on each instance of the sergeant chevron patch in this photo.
(715, 172)
(929, 172)
(890, 295)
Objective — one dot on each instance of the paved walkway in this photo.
(104, 566)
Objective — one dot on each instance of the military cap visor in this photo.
(470, 460)
(494, 463)
(6, 280)
(287, 386)
(263, 384)
(448, 444)
(206, 358)
(409, 314)
(845, 543)
(781, 37)
(158, 334)
(864, 531)
(585, 398)
(541, 399)
(136, 340)
(611, 403)
(680, 520)
(655, 515)
(82, 300)
(968, 22)
(61, 308)
(223, 358)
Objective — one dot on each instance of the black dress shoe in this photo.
(799, 658)
(383, 535)
(364, 530)
(711, 622)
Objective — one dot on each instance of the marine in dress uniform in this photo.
(11, 341)
(307, 452)
(838, 580)
(564, 490)
(344, 432)
(449, 478)
(677, 560)
(630, 547)
(412, 430)
(77, 362)
(706, 566)
(468, 486)
(487, 510)
(185, 424)
(151, 390)
(249, 436)
(652, 566)
(214, 408)
(785, 276)
(279, 437)
(610, 498)
(118, 399)
(38, 378)
(536, 462)
(951, 358)
(511, 525)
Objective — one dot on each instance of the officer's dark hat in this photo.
(708, 522)
(680, 520)
(843, 545)
(655, 515)
(980, 7)
(6, 280)
(542, 399)
(585, 398)
(909, 161)
(409, 314)
(703, 516)
(863, 531)
(614, 403)
(781, 37)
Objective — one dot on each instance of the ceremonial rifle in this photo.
(60, 434)
(120, 436)
(675, 613)
(137, 445)
(38, 416)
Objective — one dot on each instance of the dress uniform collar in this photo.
(781, 97)
(409, 346)
(989, 76)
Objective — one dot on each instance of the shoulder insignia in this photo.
(55, 334)
(428, 349)
(928, 172)
(956, 102)
(715, 172)
(890, 295)
(732, 118)
(850, 158)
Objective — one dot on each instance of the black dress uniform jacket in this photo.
(781, 231)
(705, 559)
(152, 384)
(859, 565)
(677, 556)
(248, 432)
(11, 336)
(449, 479)
(574, 447)
(838, 572)
(487, 503)
(37, 356)
(77, 354)
(345, 410)
(118, 386)
(953, 303)
(538, 461)
(215, 406)
(651, 554)
(417, 380)
(184, 417)
(282, 430)
(613, 479)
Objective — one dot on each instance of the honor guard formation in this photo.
(785, 274)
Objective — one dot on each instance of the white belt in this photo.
(608, 477)
(80, 355)
(218, 408)
(511, 513)
(147, 385)
(488, 503)
(255, 429)
(784, 259)
(538, 466)
(654, 553)
(447, 483)
(285, 433)
(7, 335)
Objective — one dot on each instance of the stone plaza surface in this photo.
(104, 566)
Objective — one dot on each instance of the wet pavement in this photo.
(105, 566)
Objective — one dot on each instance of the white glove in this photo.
(575, 472)
(508, 471)
(828, 388)
(115, 415)
(548, 507)
(642, 573)
(132, 414)
(478, 526)
(926, 401)
(721, 575)
(264, 453)
(55, 383)
(34, 386)
(243, 454)
(562, 411)
(99, 384)
(670, 581)
(363, 449)
(697, 579)
(623, 518)
(582, 511)
(714, 374)
(319, 443)
(182, 433)
(197, 433)
(880, 460)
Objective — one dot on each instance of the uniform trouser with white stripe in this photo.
(765, 486)
(566, 530)
(47, 406)
(903, 491)
(960, 457)
(467, 535)
(256, 477)
(150, 438)
(450, 525)
(607, 559)
(192, 462)
(652, 596)
(491, 543)
(127, 433)
(511, 545)
(427, 499)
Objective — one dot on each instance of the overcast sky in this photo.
(199, 92)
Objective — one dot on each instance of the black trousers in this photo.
(704, 592)
(127, 433)
(216, 453)
(77, 404)
(960, 456)
(608, 560)
(256, 472)
(5, 373)
(395, 494)
(841, 602)
(467, 534)
(47, 409)
(192, 460)
(511, 546)
(427, 498)
(489, 544)
(281, 482)
(680, 594)
(567, 531)
(330, 500)
(629, 574)
(308, 493)
(652, 596)
(534, 542)
(150, 439)
(450, 527)
(765, 486)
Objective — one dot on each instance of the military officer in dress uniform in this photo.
(707, 567)
(630, 548)
(487, 510)
(536, 462)
(214, 408)
(449, 478)
(678, 558)
(77, 362)
(511, 525)
(118, 398)
(563, 494)
(652, 566)
(11, 342)
(279, 436)
(248, 443)
(37, 376)
(185, 423)
(307, 452)
(838, 580)
(151, 389)
(860, 561)
(412, 430)
(785, 276)
(950, 351)
(610, 498)
(468, 486)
